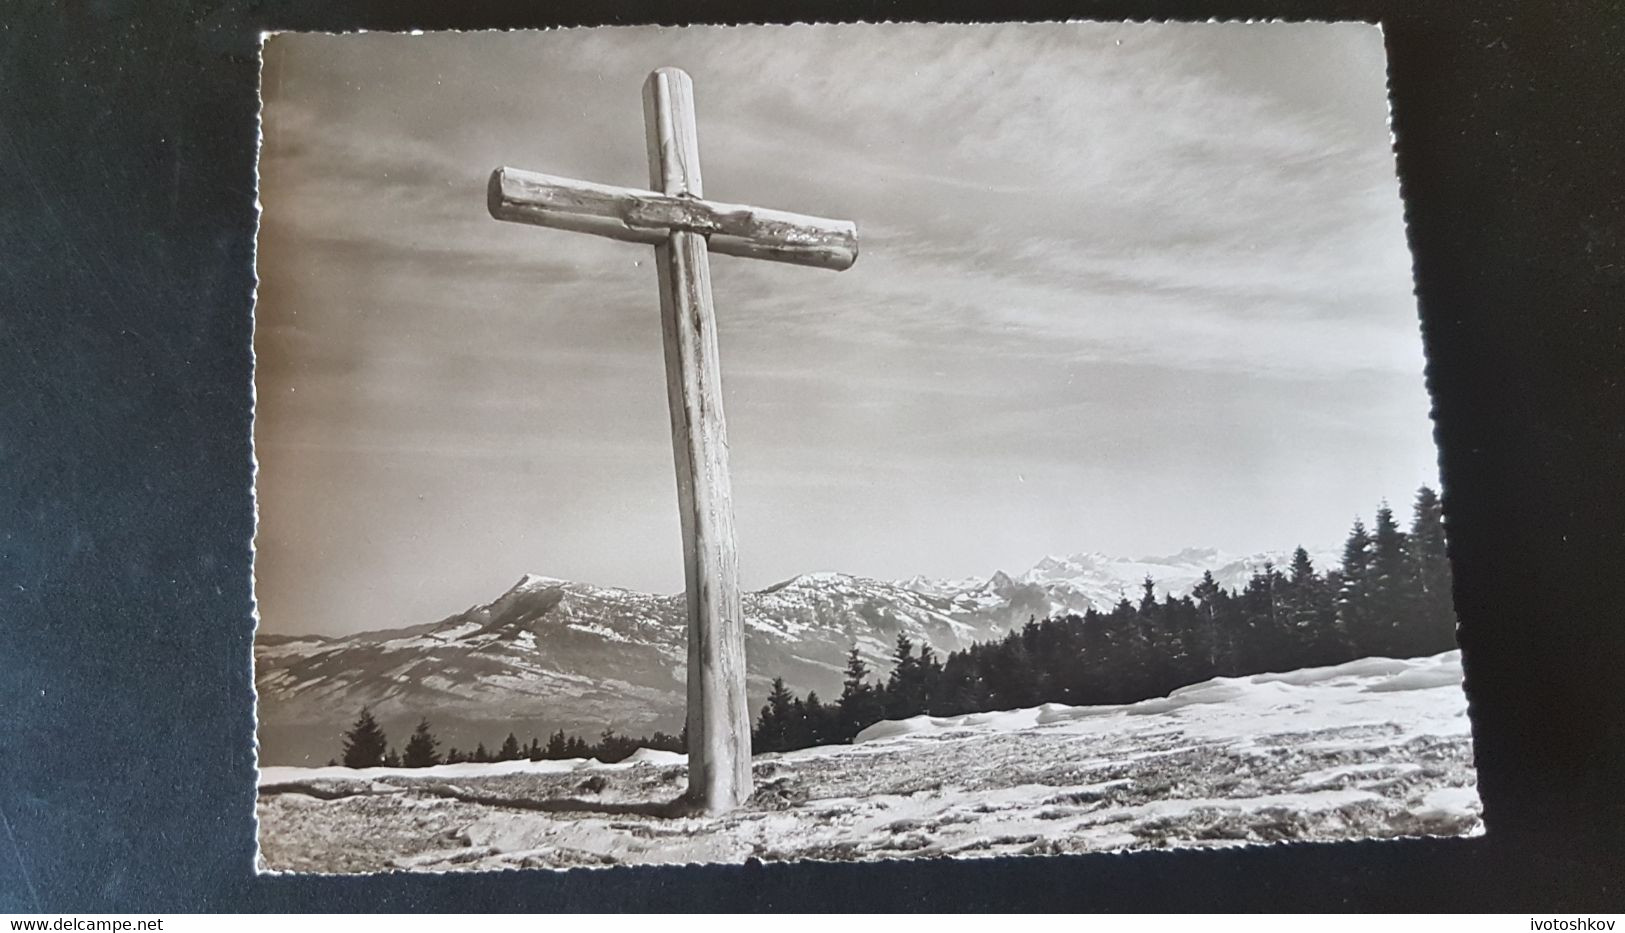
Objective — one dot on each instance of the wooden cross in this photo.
(684, 229)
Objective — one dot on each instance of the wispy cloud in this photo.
(1094, 256)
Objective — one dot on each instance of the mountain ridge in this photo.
(550, 653)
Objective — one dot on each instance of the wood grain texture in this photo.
(638, 216)
(719, 776)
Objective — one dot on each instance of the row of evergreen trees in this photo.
(1390, 597)
(366, 746)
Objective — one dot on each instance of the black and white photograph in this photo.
(856, 442)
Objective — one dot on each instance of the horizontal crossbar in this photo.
(639, 216)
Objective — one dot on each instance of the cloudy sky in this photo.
(1127, 288)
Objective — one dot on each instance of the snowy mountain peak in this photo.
(920, 583)
(535, 581)
(815, 580)
(1053, 568)
(525, 594)
(1201, 556)
(1000, 581)
(938, 588)
(1073, 561)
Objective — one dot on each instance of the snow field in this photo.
(1373, 748)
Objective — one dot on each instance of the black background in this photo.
(127, 140)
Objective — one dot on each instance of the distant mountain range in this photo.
(551, 654)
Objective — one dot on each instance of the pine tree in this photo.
(392, 760)
(1302, 584)
(1014, 678)
(557, 748)
(365, 743)
(613, 747)
(1390, 593)
(1128, 651)
(928, 670)
(1354, 587)
(962, 689)
(1207, 594)
(480, 754)
(1187, 646)
(664, 742)
(904, 698)
(861, 702)
(1097, 674)
(773, 727)
(1263, 636)
(1316, 637)
(510, 749)
(856, 670)
(421, 748)
(822, 725)
(1435, 625)
(798, 730)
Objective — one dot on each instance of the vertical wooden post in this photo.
(718, 713)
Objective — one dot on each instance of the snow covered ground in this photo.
(1372, 748)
